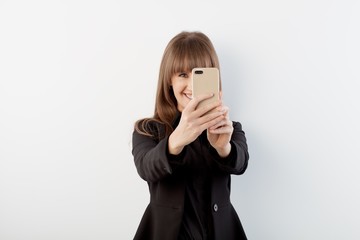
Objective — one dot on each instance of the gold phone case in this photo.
(205, 80)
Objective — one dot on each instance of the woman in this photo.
(186, 154)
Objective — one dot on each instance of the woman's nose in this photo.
(189, 81)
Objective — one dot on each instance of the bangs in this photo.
(189, 56)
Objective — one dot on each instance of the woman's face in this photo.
(182, 86)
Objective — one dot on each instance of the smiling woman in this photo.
(187, 152)
(182, 88)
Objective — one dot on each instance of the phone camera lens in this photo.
(199, 72)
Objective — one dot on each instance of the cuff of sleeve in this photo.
(175, 159)
(226, 161)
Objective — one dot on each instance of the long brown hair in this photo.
(184, 52)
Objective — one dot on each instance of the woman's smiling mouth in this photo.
(188, 95)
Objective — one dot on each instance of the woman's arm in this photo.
(236, 162)
(152, 159)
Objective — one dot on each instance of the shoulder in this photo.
(237, 125)
(150, 127)
(238, 130)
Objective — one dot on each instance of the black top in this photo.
(196, 222)
(171, 194)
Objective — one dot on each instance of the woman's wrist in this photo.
(174, 148)
(224, 151)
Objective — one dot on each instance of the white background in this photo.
(75, 75)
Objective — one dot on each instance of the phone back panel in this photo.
(205, 80)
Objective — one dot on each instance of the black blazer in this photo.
(164, 175)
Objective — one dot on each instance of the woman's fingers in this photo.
(196, 100)
(209, 108)
(222, 127)
(225, 121)
(210, 120)
(219, 124)
(213, 116)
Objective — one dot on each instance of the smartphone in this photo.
(206, 80)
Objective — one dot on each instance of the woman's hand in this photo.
(219, 135)
(193, 122)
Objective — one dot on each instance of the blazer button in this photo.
(215, 207)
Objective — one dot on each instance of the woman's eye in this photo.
(183, 75)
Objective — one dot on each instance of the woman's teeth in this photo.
(188, 96)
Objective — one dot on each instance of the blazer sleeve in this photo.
(237, 161)
(152, 159)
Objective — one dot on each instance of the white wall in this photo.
(75, 75)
